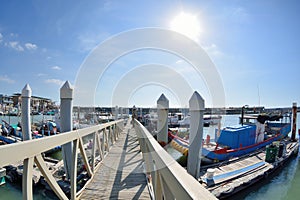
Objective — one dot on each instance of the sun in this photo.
(186, 24)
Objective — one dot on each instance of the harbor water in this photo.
(282, 186)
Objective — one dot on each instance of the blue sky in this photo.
(254, 45)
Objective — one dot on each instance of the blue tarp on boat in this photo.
(238, 136)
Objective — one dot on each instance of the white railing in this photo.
(31, 151)
(169, 180)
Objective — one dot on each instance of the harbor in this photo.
(149, 100)
(267, 186)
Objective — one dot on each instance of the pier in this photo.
(121, 175)
(123, 162)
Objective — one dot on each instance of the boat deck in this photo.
(235, 176)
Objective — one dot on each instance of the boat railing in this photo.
(30, 151)
(168, 179)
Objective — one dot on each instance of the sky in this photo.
(254, 46)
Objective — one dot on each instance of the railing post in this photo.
(106, 140)
(111, 134)
(26, 134)
(93, 152)
(162, 124)
(196, 105)
(133, 115)
(103, 141)
(100, 144)
(117, 130)
(66, 97)
(115, 127)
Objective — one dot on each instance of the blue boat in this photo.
(256, 133)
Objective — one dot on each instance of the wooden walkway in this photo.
(121, 174)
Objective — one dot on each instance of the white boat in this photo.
(207, 120)
(212, 119)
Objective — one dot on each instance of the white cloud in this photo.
(54, 81)
(56, 68)
(15, 45)
(88, 41)
(237, 14)
(41, 74)
(213, 50)
(6, 79)
(14, 35)
(31, 46)
(179, 61)
(1, 37)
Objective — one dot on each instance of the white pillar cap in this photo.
(26, 91)
(66, 91)
(162, 102)
(196, 102)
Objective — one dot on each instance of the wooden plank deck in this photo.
(121, 174)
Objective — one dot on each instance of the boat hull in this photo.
(223, 154)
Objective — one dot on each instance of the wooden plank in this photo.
(121, 175)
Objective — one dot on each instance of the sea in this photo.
(284, 185)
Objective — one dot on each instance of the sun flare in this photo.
(186, 24)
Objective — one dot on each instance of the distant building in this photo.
(6, 102)
(38, 104)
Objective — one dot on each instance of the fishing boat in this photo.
(174, 118)
(12, 133)
(226, 179)
(47, 128)
(236, 141)
(208, 120)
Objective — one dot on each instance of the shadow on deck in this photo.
(121, 174)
